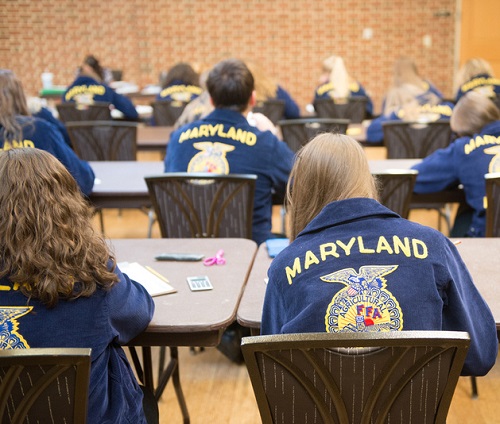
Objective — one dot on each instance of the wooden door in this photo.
(480, 32)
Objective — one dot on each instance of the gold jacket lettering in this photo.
(208, 130)
(411, 248)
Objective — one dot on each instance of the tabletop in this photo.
(153, 138)
(190, 318)
(476, 253)
(121, 184)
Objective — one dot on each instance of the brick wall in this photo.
(289, 38)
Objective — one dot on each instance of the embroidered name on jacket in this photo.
(85, 89)
(409, 247)
(208, 130)
(364, 304)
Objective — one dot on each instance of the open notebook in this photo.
(152, 282)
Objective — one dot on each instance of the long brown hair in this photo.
(12, 103)
(47, 243)
(330, 167)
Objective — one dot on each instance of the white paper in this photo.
(153, 284)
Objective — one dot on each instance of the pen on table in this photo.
(152, 271)
(456, 243)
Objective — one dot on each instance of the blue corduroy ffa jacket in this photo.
(358, 266)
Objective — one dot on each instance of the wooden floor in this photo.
(219, 391)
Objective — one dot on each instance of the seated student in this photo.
(267, 89)
(19, 129)
(60, 286)
(335, 82)
(476, 120)
(476, 74)
(182, 84)
(89, 87)
(38, 110)
(355, 266)
(224, 142)
(406, 103)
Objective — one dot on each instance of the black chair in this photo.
(166, 112)
(104, 140)
(493, 201)
(44, 385)
(298, 132)
(72, 111)
(396, 189)
(414, 140)
(201, 205)
(198, 205)
(372, 377)
(274, 109)
(353, 109)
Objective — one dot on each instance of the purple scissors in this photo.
(218, 259)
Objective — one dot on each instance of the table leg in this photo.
(172, 370)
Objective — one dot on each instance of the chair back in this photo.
(354, 109)
(202, 205)
(396, 189)
(274, 109)
(298, 132)
(72, 111)
(44, 385)
(413, 140)
(166, 112)
(493, 201)
(372, 377)
(104, 140)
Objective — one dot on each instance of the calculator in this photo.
(199, 283)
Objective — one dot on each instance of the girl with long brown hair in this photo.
(59, 283)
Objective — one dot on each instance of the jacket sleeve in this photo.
(292, 110)
(465, 310)
(124, 105)
(79, 169)
(374, 131)
(130, 308)
(273, 314)
(437, 171)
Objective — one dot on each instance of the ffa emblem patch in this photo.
(212, 158)
(495, 162)
(364, 304)
(9, 337)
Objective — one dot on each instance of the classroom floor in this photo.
(219, 391)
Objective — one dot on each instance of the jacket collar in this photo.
(226, 115)
(343, 211)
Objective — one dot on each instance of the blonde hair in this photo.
(330, 167)
(472, 112)
(47, 243)
(265, 87)
(470, 69)
(405, 72)
(338, 76)
(404, 97)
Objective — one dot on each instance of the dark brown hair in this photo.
(230, 84)
(182, 72)
(47, 243)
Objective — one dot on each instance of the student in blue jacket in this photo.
(476, 120)
(60, 286)
(476, 75)
(355, 266)
(89, 86)
(335, 82)
(182, 84)
(19, 129)
(408, 103)
(224, 142)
